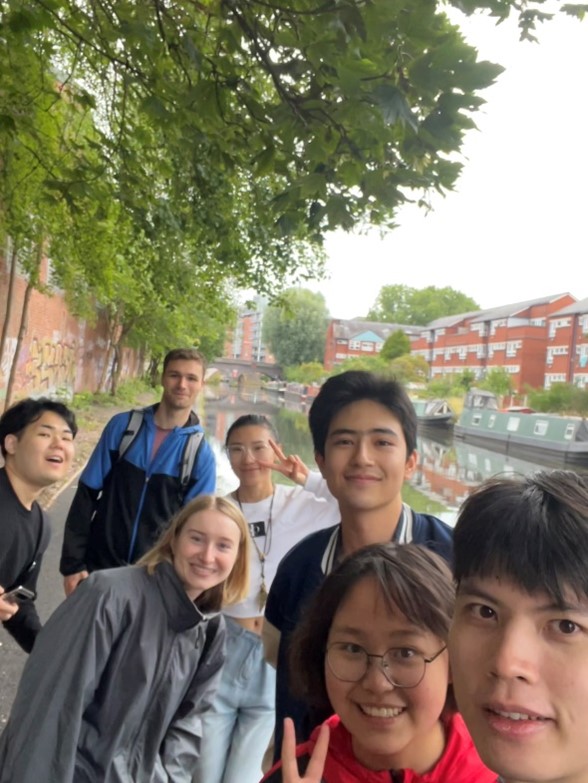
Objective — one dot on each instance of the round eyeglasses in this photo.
(403, 667)
(237, 451)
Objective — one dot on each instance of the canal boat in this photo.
(434, 414)
(563, 438)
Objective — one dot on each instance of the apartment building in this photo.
(246, 341)
(566, 358)
(514, 337)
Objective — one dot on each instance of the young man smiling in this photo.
(122, 503)
(519, 638)
(364, 434)
(36, 440)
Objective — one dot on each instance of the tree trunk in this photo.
(24, 318)
(9, 300)
(116, 368)
(153, 371)
(104, 373)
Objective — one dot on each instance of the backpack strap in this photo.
(211, 631)
(131, 432)
(189, 455)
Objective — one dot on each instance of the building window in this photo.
(355, 345)
(367, 347)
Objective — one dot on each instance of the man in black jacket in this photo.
(36, 440)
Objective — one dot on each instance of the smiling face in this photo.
(391, 728)
(520, 668)
(365, 462)
(205, 550)
(245, 446)
(182, 381)
(42, 453)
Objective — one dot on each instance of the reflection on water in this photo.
(447, 471)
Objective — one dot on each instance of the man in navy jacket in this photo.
(121, 504)
(364, 435)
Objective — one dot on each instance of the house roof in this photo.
(492, 313)
(348, 330)
(506, 311)
(578, 308)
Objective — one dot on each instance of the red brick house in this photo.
(356, 337)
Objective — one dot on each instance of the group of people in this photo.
(373, 642)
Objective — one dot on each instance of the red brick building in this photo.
(246, 341)
(60, 354)
(567, 346)
(353, 338)
(513, 337)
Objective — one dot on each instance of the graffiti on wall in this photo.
(50, 367)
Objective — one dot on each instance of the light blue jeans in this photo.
(238, 728)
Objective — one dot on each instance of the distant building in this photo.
(246, 342)
(567, 346)
(352, 338)
(513, 337)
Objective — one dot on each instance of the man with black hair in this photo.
(364, 434)
(518, 642)
(124, 500)
(36, 440)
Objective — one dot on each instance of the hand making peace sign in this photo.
(316, 765)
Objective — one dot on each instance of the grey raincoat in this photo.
(115, 685)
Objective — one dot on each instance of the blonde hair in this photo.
(236, 586)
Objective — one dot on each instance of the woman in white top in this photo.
(238, 728)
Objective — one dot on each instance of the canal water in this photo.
(447, 472)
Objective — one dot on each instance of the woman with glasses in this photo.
(238, 728)
(372, 650)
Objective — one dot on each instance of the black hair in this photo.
(408, 576)
(251, 420)
(341, 390)
(15, 420)
(532, 530)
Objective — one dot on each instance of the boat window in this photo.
(491, 420)
(540, 427)
(569, 433)
(512, 424)
(476, 419)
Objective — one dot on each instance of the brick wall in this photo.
(60, 354)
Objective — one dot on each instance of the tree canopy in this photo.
(397, 344)
(296, 330)
(174, 152)
(401, 304)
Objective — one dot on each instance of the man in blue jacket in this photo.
(364, 434)
(123, 500)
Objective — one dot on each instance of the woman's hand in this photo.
(292, 466)
(314, 771)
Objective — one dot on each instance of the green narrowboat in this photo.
(539, 435)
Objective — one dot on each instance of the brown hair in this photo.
(236, 586)
(184, 354)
